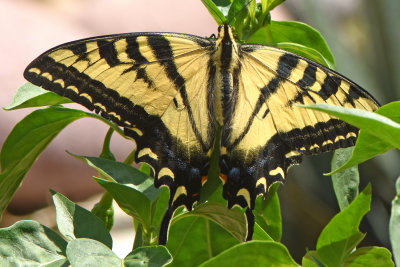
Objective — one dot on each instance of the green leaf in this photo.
(252, 10)
(29, 95)
(28, 243)
(145, 168)
(302, 34)
(123, 174)
(232, 220)
(130, 200)
(268, 213)
(74, 222)
(213, 226)
(373, 123)
(88, 252)
(296, 37)
(362, 257)
(261, 234)
(238, 11)
(368, 145)
(341, 235)
(194, 239)
(148, 256)
(25, 143)
(335, 253)
(32, 133)
(272, 3)
(345, 183)
(254, 253)
(394, 226)
(369, 256)
(307, 52)
(265, 4)
(219, 10)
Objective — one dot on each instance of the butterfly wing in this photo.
(268, 132)
(150, 84)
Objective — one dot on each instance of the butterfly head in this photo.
(225, 31)
(226, 40)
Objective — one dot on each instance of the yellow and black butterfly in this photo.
(173, 93)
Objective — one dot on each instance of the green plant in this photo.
(213, 235)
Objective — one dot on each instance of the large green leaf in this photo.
(295, 37)
(29, 95)
(254, 253)
(394, 226)
(368, 146)
(341, 235)
(377, 125)
(74, 222)
(25, 143)
(33, 133)
(303, 34)
(83, 252)
(214, 227)
(194, 239)
(378, 133)
(28, 243)
(232, 220)
(148, 257)
(307, 52)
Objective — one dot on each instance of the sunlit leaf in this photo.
(28, 243)
(255, 253)
(74, 222)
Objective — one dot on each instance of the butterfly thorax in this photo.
(226, 61)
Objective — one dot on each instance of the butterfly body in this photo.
(172, 92)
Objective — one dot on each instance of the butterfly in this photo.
(180, 97)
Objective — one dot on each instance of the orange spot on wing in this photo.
(203, 180)
(223, 177)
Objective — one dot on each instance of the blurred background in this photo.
(363, 36)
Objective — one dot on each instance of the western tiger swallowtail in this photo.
(172, 93)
